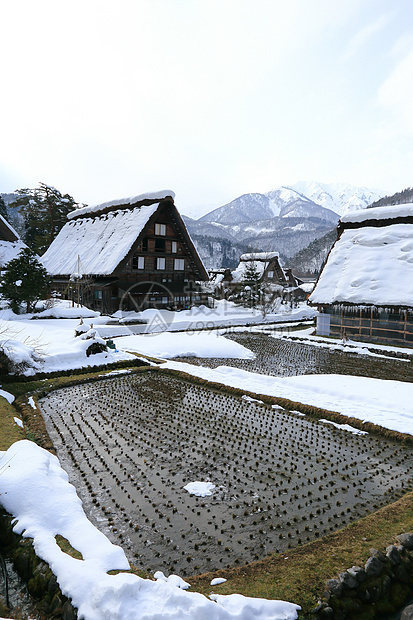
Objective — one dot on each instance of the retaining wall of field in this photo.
(41, 582)
(381, 588)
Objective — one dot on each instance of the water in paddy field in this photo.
(286, 358)
(131, 443)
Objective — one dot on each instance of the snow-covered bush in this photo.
(98, 345)
(81, 328)
(17, 358)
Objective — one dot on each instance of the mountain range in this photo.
(286, 220)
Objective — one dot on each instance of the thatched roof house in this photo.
(131, 253)
(267, 265)
(10, 243)
(365, 289)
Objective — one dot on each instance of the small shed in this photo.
(365, 290)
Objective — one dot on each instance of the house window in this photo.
(270, 274)
(143, 245)
(98, 295)
(174, 247)
(160, 264)
(160, 229)
(159, 245)
(138, 262)
(179, 264)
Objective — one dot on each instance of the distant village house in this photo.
(130, 254)
(268, 267)
(365, 290)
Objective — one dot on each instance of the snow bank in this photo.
(63, 309)
(21, 358)
(383, 402)
(36, 491)
(186, 344)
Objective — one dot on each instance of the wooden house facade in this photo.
(365, 290)
(129, 254)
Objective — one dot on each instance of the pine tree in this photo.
(44, 210)
(251, 285)
(25, 281)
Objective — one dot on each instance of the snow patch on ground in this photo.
(9, 397)
(200, 489)
(345, 427)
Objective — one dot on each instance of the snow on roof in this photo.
(378, 213)
(9, 250)
(259, 256)
(9, 228)
(369, 265)
(152, 196)
(101, 242)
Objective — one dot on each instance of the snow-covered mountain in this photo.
(284, 220)
(339, 197)
(299, 200)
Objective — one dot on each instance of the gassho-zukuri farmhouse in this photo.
(365, 290)
(129, 254)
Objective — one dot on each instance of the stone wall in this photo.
(381, 588)
(41, 582)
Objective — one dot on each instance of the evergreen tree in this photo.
(25, 281)
(251, 293)
(44, 210)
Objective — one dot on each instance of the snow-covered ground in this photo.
(184, 344)
(54, 340)
(36, 491)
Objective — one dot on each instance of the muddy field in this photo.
(131, 443)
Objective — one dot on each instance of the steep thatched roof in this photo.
(371, 263)
(103, 235)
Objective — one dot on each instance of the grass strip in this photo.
(10, 432)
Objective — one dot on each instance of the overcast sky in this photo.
(209, 98)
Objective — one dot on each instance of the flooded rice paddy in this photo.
(284, 358)
(131, 443)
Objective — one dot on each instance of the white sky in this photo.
(209, 98)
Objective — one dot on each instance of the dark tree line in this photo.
(399, 198)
